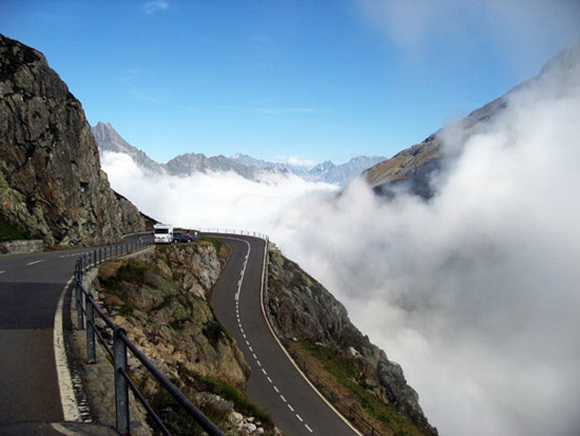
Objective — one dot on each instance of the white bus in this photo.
(163, 233)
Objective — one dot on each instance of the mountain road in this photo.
(275, 383)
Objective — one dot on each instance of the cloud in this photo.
(520, 31)
(155, 6)
(297, 162)
(204, 200)
(475, 293)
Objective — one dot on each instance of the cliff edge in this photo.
(51, 183)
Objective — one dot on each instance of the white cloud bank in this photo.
(476, 293)
(208, 200)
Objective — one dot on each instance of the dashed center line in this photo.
(237, 305)
(2, 272)
(34, 262)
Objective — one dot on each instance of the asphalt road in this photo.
(274, 383)
(32, 284)
(30, 289)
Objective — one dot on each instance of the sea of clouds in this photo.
(476, 292)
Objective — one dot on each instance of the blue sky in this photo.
(312, 80)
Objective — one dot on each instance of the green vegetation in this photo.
(225, 390)
(133, 273)
(346, 372)
(217, 242)
(179, 422)
(176, 419)
(10, 233)
(214, 332)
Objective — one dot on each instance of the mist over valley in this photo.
(473, 290)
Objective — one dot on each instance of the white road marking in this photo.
(2, 272)
(237, 308)
(34, 262)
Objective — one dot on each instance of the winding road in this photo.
(275, 383)
(31, 290)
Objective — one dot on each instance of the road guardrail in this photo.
(87, 308)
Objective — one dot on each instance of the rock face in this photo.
(162, 302)
(302, 309)
(51, 184)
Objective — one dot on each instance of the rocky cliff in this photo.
(162, 302)
(303, 311)
(51, 183)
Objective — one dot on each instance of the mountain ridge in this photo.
(108, 139)
(414, 167)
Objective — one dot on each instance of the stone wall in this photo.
(17, 247)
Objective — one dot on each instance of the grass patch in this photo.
(225, 390)
(179, 422)
(175, 418)
(214, 332)
(222, 249)
(10, 233)
(132, 272)
(346, 371)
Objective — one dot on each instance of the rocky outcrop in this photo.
(162, 302)
(301, 309)
(51, 183)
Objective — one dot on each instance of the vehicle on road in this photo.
(181, 237)
(163, 233)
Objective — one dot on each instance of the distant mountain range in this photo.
(108, 139)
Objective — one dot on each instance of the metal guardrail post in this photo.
(91, 345)
(121, 385)
(79, 305)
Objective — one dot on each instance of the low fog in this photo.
(208, 199)
(474, 292)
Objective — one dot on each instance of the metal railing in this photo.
(87, 308)
(259, 235)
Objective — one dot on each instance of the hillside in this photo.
(51, 183)
(162, 302)
(416, 167)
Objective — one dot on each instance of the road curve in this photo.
(31, 286)
(274, 383)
